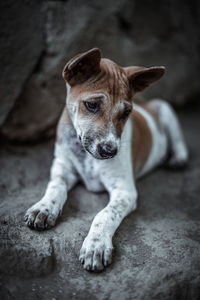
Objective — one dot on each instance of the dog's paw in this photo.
(179, 158)
(175, 163)
(96, 253)
(40, 216)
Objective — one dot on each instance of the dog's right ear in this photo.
(81, 67)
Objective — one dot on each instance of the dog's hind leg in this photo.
(177, 147)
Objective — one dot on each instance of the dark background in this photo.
(157, 247)
(39, 37)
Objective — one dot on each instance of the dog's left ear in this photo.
(141, 77)
(81, 67)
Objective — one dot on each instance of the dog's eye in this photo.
(92, 106)
(125, 114)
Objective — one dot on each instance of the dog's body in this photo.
(106, 141)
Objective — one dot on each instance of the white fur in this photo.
(117, 177)
(63, 177)
(120, 107)
(172, 128)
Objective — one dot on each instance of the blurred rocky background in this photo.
(157, 247)
(38, 37)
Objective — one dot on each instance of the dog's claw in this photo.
(81, 260)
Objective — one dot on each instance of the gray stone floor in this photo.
(157, 250)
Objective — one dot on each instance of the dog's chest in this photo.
(86, 166)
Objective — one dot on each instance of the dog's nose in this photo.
(106, 150)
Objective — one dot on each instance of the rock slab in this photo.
(156, 248)
(39, 37)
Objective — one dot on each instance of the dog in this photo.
(107, 140)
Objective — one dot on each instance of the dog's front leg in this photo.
(96, 252)
(63, 177)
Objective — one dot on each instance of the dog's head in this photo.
(99, 99)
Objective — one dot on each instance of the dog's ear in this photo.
(81, 67)
(141, 77)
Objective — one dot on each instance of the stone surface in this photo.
(129, 32)
(21, 45)
(157, 248)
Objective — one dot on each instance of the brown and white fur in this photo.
(107, 148)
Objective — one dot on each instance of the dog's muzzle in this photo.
(106, 150)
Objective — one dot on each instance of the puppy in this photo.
(107, 141)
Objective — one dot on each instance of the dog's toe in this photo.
(40, 220)
(97, 261)
(30, 218)
(92, 261)
(51, 221)
(107, 257)
(88, 261)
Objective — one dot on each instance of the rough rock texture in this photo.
(20, 48)
(157, 250)
(131, 32)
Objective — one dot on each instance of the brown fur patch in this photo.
(141, 141)
(151, 112)
(112, 82)
(82, 67)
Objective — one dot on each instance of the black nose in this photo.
(106, 150)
